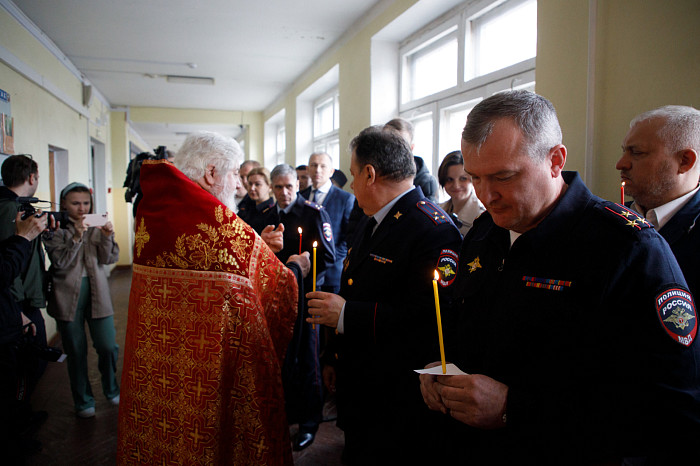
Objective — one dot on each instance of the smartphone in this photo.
(95, 220)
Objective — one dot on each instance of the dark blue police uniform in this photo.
(246, 208)
(257, 216)
(339, 205)
(390, 328)
(301, 372)
(683, 235)
(588, 320)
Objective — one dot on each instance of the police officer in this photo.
(385, 314)
(571, 314)
(661, 169)
(301, 371)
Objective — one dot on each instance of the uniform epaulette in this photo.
(313, 204)
(625, 216)
(435, 213)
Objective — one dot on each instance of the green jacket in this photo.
(30, 283)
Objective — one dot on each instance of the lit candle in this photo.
(439, 321)
(622, 193)
(313, 285)
(299, 230)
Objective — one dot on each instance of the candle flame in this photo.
(437, 275)
(623, 183)
(315, 244)
(299, 230)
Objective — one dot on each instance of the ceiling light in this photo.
(189, 80)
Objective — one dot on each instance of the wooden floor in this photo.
(68, 440)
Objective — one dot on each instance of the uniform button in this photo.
(350, 282)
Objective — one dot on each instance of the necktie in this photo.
(313, 195)
(369, 229)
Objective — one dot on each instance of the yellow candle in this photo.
(313, 285)
(439, 321)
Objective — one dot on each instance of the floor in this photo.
(68, 440)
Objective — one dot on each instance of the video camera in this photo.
(25, 206)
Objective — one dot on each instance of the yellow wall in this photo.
(646, 55)
(353, 58)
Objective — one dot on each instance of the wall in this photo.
(47, 107)
(352, 54)
(645, 55)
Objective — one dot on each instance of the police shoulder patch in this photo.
(676, 310)
(327, 232)
(625, 217)
(313, 204)
(435, 213)
(447, 267)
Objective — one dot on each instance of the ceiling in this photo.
(253, 50)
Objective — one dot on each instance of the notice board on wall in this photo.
(7, 126)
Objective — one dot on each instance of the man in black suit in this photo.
(660, 168)
(301, 372)
(338, 204)
(385, 314)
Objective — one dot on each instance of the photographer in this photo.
(15, 252)
(20, 175)
(80, 294)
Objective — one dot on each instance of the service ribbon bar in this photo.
(546, 283)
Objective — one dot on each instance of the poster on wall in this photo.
(7, 130)
(8, 134)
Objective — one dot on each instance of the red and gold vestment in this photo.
(211, 313)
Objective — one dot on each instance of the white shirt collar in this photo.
(384, 211)
(325, 188)
(659, 216)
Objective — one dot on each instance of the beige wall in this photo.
(646, 54)
(353, 58)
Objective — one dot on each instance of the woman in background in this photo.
(80, 294)
(463, 205)
(259, 191)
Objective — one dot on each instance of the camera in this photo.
(25, 206)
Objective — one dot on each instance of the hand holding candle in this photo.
(439, 321)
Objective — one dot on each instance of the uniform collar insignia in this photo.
(397, 215)
(473, 265)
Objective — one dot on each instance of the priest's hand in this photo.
(303, 261)
(274, 237)
(429, 390)
(324, 308)
(477, 400)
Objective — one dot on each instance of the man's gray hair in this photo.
(282, 170)
(322, 153)
(205, 148)
(681, 129)
(532, 113)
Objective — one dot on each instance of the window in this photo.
(275, 142)
(470, 53)
(326, 124)
(504, 36)
(431, 67)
